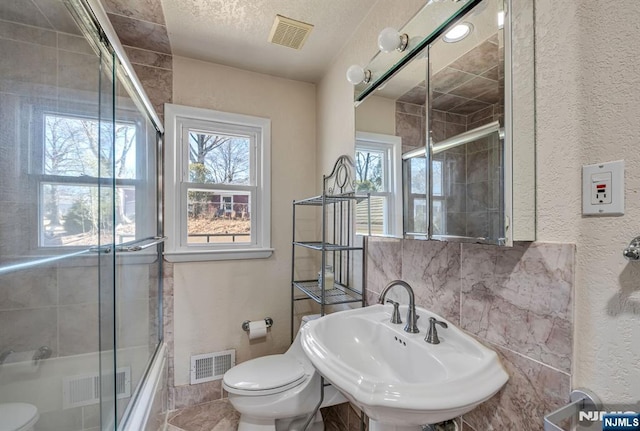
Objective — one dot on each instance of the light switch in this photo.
(603, 189)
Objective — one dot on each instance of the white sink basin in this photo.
(397, 378)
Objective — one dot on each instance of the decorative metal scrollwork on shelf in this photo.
(341, 179)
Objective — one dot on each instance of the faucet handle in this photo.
(432, 335)
(395, 317)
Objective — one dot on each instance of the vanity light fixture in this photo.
(390, 39)
(458, 32)
(356, 74)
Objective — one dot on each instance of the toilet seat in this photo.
(264, 376)
(17, 416)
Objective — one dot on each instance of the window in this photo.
(378, 172)
(437, 196)
(416, 222)
(417, 214)
(218, 185)
(74, 155)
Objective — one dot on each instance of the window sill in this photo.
(211, 255)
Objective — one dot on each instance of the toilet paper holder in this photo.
(267, 320)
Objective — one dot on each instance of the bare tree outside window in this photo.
(76, 147)
(222, 216)
(218, 159)
(369, 171)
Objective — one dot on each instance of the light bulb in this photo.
(500, 19)
(356, 74)
(390, 39)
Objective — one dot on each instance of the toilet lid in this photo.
(15, 416)
(266, 375)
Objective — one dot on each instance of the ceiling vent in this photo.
(289, 32)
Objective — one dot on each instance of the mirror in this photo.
(459, 186)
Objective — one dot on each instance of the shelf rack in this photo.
(337, 243)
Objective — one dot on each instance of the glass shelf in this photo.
(338, 295)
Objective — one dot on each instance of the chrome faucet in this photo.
(432, 335)
(395, 317)
(412, 317)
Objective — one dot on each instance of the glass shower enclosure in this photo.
(80, 238)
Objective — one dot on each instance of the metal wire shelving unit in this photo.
(337, 244)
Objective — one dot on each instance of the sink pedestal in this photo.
(379, 426)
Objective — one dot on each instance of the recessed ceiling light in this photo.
(458, 32)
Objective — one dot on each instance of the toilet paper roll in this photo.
(257, 329)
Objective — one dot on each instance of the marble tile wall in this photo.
(58, 307)
(410, 123)
(343, 417)
(58, 304)
(141, 28)
(516, 300)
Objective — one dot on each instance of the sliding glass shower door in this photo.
(80, 267)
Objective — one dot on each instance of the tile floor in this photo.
(219, 415)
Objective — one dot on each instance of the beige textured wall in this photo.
(335, 95)
(212, 299)
(588, 97)
(376, 115)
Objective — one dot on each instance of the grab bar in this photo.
(582, 400)
(131, 247)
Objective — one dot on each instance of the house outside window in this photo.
(378, 172)
(218, 185)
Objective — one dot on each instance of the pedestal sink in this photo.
(399, 380)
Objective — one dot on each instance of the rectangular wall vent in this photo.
(84, 390)
(211, 366)
(289, 32)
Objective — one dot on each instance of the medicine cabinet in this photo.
(464, 112)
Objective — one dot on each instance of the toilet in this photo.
(278, 392)
(18, 417)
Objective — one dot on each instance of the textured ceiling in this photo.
(235, 32)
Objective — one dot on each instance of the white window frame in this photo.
(139, 184)
(392, 147)
(177, 249)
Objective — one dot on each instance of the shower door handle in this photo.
(131, 247)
